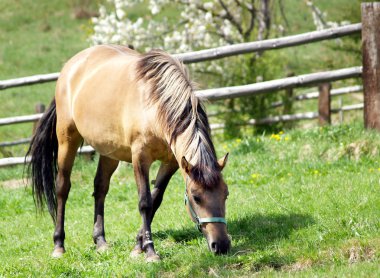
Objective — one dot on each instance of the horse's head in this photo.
(206, 206)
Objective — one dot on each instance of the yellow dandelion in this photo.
(255, 176)
(286, 138)
(281, 132)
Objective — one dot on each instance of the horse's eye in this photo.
(197, 199)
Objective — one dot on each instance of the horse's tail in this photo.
(42, 170)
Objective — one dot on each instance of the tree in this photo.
(184, 25)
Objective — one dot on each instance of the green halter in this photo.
(199, 221)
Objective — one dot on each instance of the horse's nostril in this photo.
(214, 247)
(220, 247)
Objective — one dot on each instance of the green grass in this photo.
(307, 205)
(36, 37)
(303, 203)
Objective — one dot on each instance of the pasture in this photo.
(301, 203)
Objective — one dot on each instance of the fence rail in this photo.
(243, 48)
(244, 90)
(29, 80)
(20, 119)
(10, 161)
(218, 52)
(292, 117)
(14, 143)
(279, 84)
(314, 95)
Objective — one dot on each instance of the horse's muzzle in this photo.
(220, 247)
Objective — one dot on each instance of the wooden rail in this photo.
(29, 80)
(243, 48)
(244, 90)
(292, 117)
(14, 143)
(314, 95)
(20, 119)
(10, 161)
(279, 84)
(219, 52)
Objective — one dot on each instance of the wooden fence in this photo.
(370, 71)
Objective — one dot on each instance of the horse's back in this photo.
(98, 92)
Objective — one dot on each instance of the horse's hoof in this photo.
(136, 252)
(58, 252)
(154, 258)
(102, 248)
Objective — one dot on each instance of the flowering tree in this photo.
(185, 25)
(197, 25)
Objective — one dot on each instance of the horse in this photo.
(137, 108)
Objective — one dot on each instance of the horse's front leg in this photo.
(164, 175)
(141, 165)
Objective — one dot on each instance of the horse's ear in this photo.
(186, 165)
(223, 161)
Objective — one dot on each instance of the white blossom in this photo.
(199, 25)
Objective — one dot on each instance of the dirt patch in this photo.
(353, 151)
(298, 266)
(359, 254)
(13, 184)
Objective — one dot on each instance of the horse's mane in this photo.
(181, 112)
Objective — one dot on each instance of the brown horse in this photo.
(137, 108)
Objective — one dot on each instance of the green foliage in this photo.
(302, 203)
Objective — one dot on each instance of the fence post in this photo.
(288, 98)
(371, 63)
(324, 104)
(39, 108)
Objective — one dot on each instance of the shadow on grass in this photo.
(257, 230)
(260, 230)
(253, 233)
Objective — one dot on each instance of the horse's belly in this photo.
(108, 144)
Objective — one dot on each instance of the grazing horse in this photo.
(137, 108)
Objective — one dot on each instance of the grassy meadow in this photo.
(303, 202)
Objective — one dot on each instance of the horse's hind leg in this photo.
(68, 142)
(164, 175)
(106, 168)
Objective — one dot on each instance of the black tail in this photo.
(42, 169)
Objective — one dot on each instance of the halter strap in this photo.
(199, 221)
